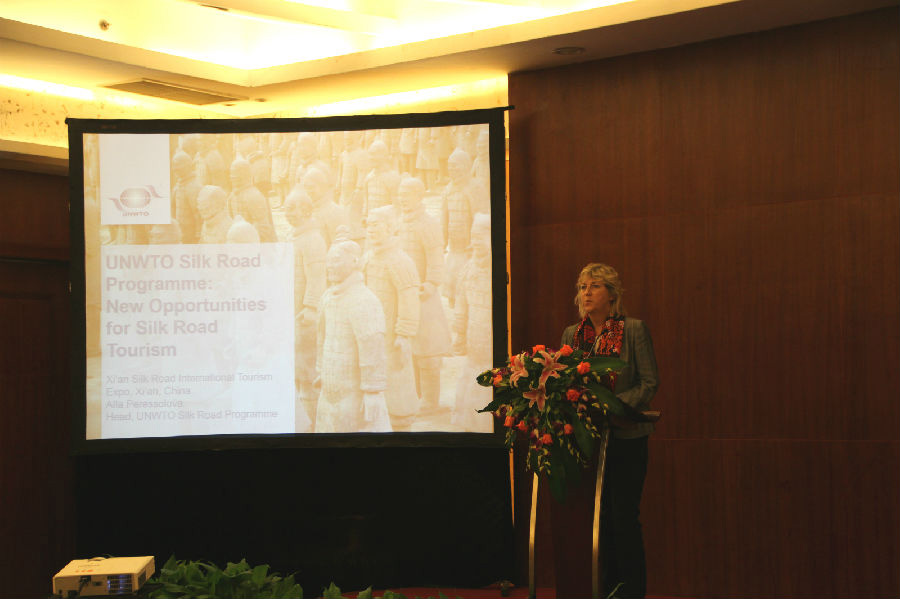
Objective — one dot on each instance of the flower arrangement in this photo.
(557, 400)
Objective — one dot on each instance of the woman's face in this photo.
(595, 298)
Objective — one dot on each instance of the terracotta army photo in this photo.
(261, 167)
(241, 231)
(280, 175)
(392, 276)
(380, 187)
(249, 202)
(481, 166)
(353, 168)
(407, 148)
(427, 158)
(329, 215)
(211, 166)
(421, 238)
(309, 285)
(211, 205)
(460, 201)
(350, 351)
(305, 155)
(184, 197)
(472, 328)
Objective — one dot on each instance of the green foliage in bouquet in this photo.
(557, 399)
(179, 579)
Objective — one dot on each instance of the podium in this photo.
(576, 525)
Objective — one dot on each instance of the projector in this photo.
(103, 576)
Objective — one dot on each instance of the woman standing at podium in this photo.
(605, 331)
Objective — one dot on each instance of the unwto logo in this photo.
(134, 201)
(135, 179)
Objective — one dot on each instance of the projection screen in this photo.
(276, 278)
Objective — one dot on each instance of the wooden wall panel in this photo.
(36, 472)
(772, 312)
(746, 521)
(35, 217)
(748, 191)
(37, 519)
(681, 130)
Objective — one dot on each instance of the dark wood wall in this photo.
(37, 525)
(747, 191)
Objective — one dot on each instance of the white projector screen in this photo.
(288, 277)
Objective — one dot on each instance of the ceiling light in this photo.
(175, 92)
(45, 87)
(398, 101)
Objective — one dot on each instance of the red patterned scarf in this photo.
(609, 342)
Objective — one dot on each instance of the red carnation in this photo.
(497, 380)
(573, 394)
(584, 367)
(565, 350)
(538, 348)
(546, 439)
(522, 426)
(509, 421)
(568, 429)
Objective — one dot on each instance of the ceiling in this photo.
(245, 58)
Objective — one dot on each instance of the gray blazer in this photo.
(637, 383)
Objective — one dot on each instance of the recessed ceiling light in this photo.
(568, 50)
(176, 92)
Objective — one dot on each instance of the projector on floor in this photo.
(103, 576)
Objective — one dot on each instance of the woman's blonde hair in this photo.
(597, 271)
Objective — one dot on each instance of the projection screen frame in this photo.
(493, 117)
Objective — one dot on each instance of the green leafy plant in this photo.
(182, 579)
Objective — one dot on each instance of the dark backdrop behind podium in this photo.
(387, 517)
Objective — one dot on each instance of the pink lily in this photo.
(536, 396)
(551, 367)
(517, 368)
